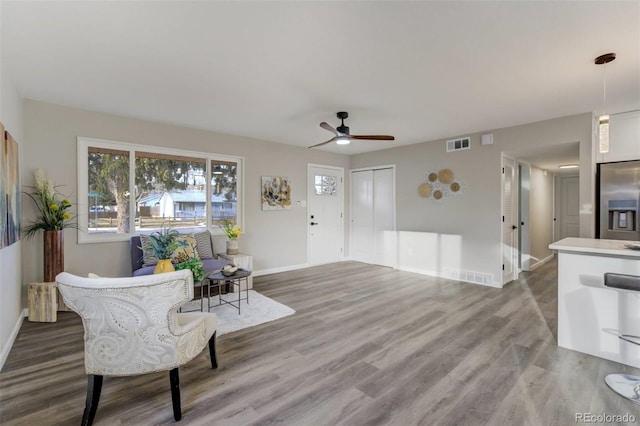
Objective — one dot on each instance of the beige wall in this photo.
(10, 257)
(475, 215)
(278, 240)
(275, 239)
(541, 215)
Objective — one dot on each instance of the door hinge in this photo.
(503, 219)
(503, 170)
(503, 266)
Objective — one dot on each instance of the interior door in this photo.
(569, 206)
(384, 217)
(509, 251)
(524, 211)
(325, 217)
(362, 237)
(372, 212)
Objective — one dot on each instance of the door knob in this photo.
(514, 227)
(314, 223)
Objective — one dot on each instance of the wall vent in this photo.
(469, 276)
(459, 144)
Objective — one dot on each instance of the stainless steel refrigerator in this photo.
(618, 200)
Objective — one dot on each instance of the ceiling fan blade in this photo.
(323, 143)
(328, 127)
(374, 137)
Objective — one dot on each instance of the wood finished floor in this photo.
(367, 346)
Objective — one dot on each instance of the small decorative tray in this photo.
(229, 270)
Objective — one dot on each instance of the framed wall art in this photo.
(276, 193)
(3, 190)
(11, 231)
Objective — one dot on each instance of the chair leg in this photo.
(94, 386)
(212, 351)
(174, 378)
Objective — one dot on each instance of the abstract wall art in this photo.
(11, 215)
(3, 190)
(276, 193)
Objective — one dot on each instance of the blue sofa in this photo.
(137, 268)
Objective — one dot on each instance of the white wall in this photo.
(472, 219)
(276, 239)
(541, 216)
(10, 257)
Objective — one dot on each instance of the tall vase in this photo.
(232, 247)
(163, 265)
(53, 254)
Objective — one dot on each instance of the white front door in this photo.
(324, 214)
(509, 251)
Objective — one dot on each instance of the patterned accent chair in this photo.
(132, 326)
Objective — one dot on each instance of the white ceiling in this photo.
(273, 70)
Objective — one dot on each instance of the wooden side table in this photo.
(243, 261)
(43, 302)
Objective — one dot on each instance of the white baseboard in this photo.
(541, 262)
(12, 338)
(280, 269)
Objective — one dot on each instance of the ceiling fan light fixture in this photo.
(603, 120)
(343, 140)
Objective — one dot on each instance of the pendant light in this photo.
(603, 120)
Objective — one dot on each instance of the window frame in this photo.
(84, 237)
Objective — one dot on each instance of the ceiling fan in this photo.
(342, 136)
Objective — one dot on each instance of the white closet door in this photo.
(362, 216)
(384, 217)
(373, 238)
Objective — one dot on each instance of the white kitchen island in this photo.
(590, 315)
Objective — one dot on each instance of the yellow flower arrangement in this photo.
(52, 213)
(232, 230)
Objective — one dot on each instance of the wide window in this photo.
(162, 187)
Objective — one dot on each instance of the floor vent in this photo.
(458, 144)
(470, 276)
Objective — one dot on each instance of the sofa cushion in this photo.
(205, 249)
(187, 249)
(213, 265)
(145, 270)
(148, 254)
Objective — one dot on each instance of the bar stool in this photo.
(625, 385)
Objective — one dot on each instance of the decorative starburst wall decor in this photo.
(440, 184)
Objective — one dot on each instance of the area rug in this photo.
(259, 310)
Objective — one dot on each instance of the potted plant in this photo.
(164, 243)
(232, 231)
(195, 266)
(184, 261)
(52, 217)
